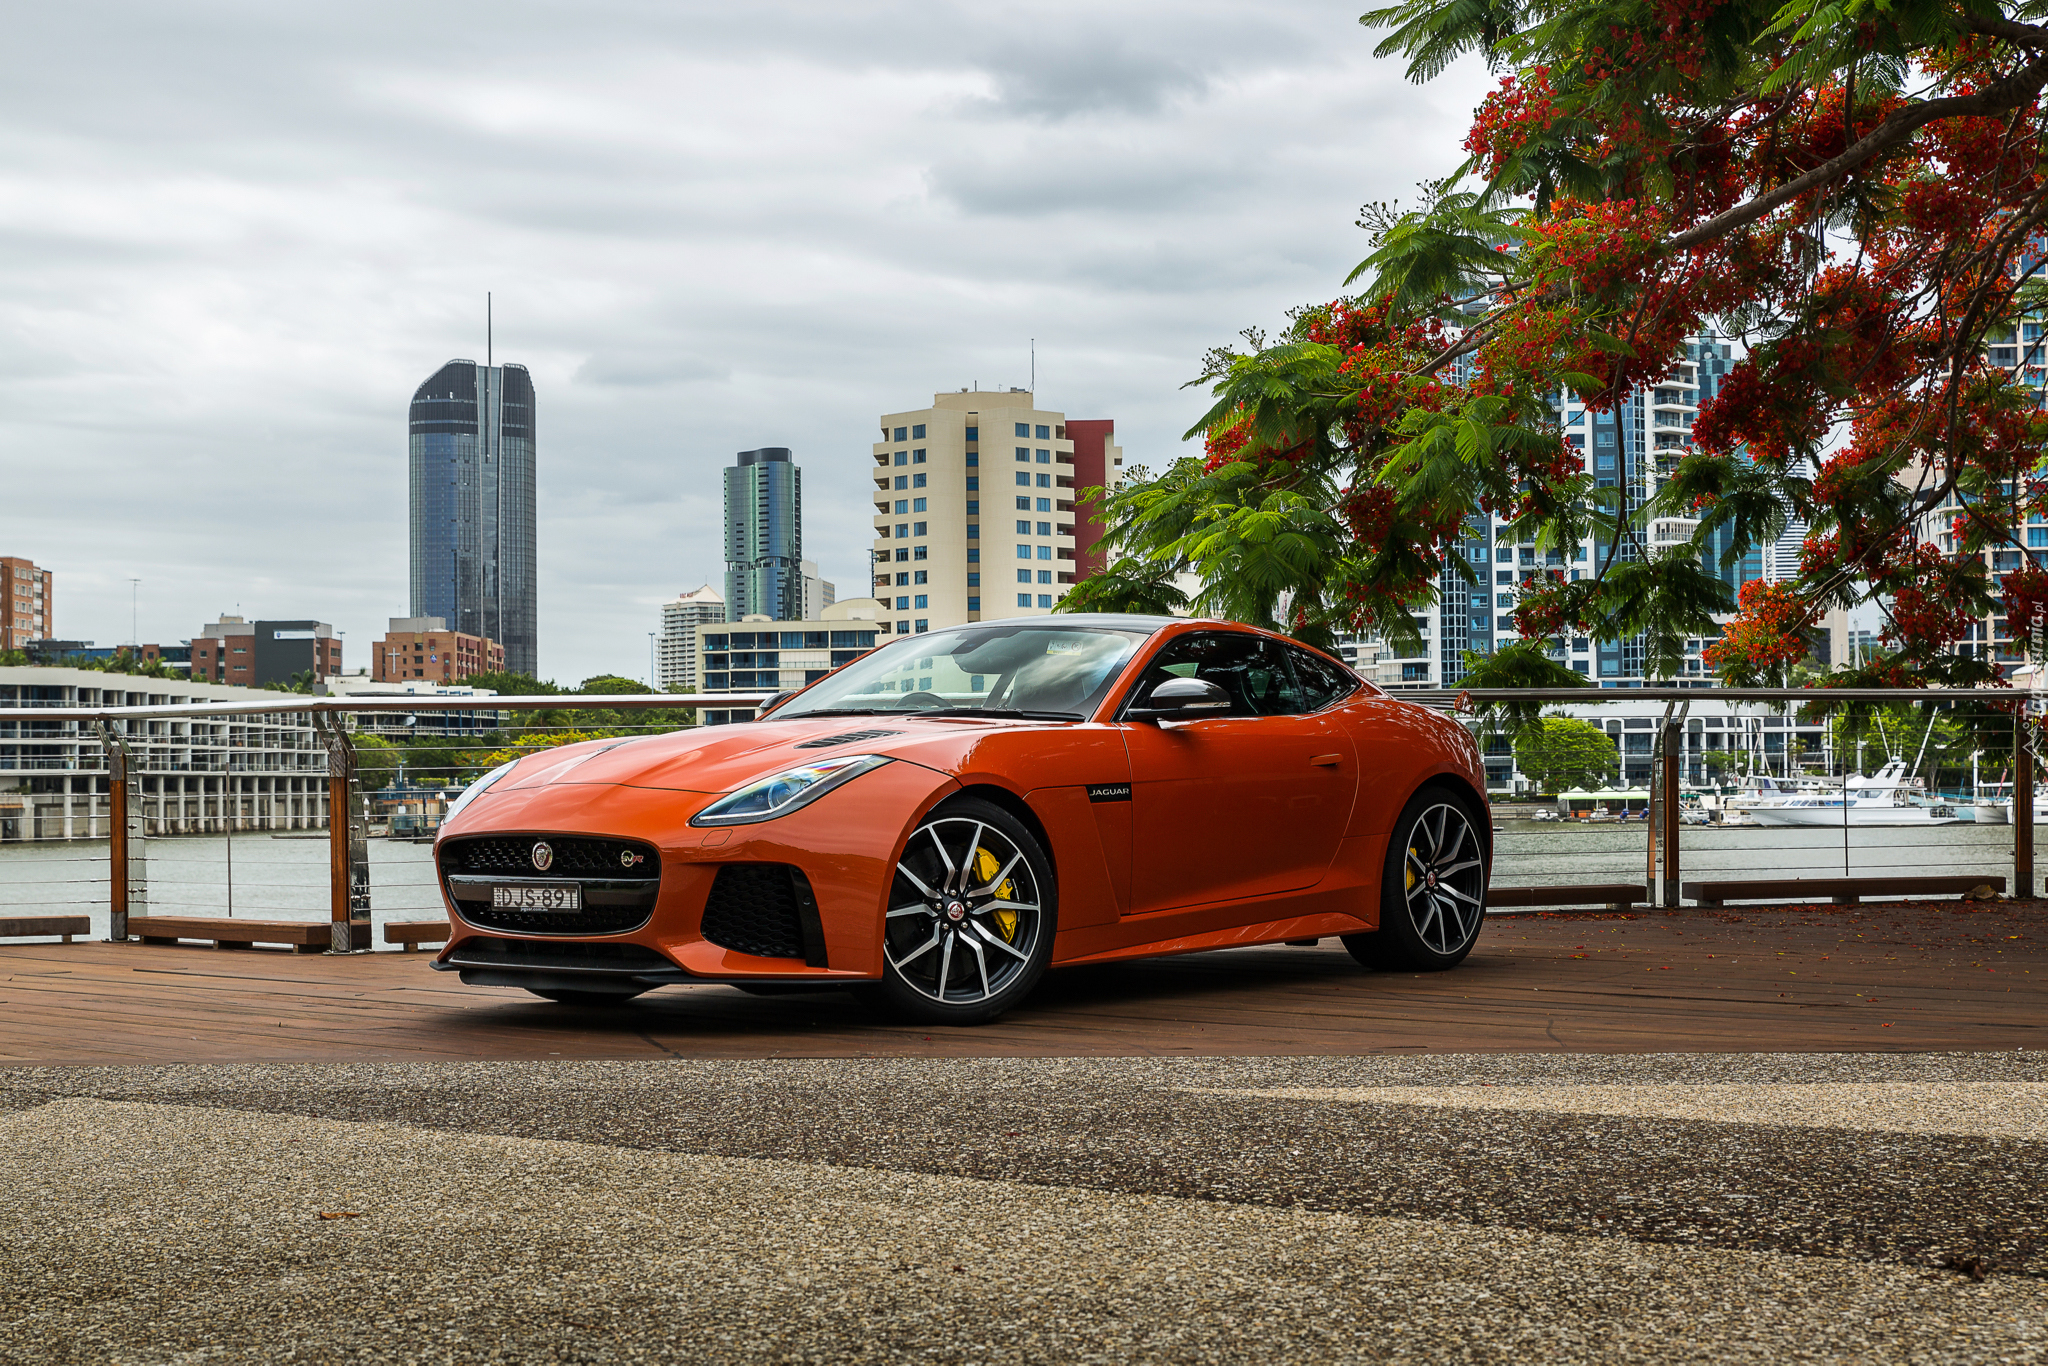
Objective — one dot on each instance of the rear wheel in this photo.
(566, 997)
(1432, 890)
(970, 921)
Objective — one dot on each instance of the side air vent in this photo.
(765, 909)
(851, 737)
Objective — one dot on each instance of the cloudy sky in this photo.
(238, 235)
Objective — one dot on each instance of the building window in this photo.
(902, 555)
(1023, 576)
(974, 604)
(902, 481)
(973, 458)
(1045, 505)
(902, 506)
(1044, 433)
(974, 433)
(1023, 599)
(1045, 599)
(918, 529)
(1045, 528)
(1045, 576)
(903, 531)
(973, 530)
(902, 628)
(1023, 479)
(903, 603)
(903, 457)
(903, 579)
(1045, 457)
(1045, 552)
(922, 602)
(1045, 481)
(917, 480)
(973, 508)
(1505, 555)
(1023, 429)
(973, 551)
(974, 580)
(902, 435)
(1023, 552)
(917, 456)
(1024, 454)
(921, 553)
(917, 505)
(917, 432)
(923, 626)
(1023, 528)
(919, 577)
(974, 483)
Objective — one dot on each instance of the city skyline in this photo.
(707, 231)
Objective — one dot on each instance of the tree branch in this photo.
(2016, 89)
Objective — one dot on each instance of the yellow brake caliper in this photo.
(1408, 868)
(985, 868)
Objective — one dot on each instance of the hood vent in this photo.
(825, 741)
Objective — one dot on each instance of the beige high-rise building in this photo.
(974, 511)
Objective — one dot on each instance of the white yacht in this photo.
(1884, 798)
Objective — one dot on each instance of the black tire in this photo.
(567, 997)
(969, 926)
(1432, 887)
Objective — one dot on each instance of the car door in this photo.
(1246, 803)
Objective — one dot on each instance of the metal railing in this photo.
(221, 848)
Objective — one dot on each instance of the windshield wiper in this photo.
(837, 711)
(1002, 711)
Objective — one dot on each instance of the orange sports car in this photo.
(940, 821)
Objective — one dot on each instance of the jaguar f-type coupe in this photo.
(940, 821)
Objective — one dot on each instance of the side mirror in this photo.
(1184, 698)
(772, 703)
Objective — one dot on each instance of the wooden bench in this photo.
(230, 932)
(409, 934)
(1616, 896)
(17, 926)
(1841, 891)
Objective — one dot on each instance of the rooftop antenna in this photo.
(1034, 365)
(488, 362)
(134, 612)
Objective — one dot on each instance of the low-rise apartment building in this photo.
(246, 654)
(195, 775)
(758, 655)
(28, 603)
(423, 648)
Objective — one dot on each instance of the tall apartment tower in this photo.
(28, 603)
(764, 536)
(974, 511)
(472, 502)
(676, 653)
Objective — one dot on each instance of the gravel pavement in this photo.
(1480, 1208)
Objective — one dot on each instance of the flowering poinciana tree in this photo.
(1850, 188)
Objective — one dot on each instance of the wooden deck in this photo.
(1920, 978)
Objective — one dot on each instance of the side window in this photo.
(1320, 682)
(1250, 668)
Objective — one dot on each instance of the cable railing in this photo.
(1697, 801)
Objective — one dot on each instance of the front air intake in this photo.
(765, 909)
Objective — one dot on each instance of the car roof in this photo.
(1124, 621)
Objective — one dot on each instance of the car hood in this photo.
(713, 759)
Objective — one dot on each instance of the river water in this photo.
(286, 877)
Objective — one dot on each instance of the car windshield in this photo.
(1054, 673)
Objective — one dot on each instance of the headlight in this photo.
(475, 790)
(766, 798)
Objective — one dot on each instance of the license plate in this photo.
(569, 898)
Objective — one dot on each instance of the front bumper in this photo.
(845, 846)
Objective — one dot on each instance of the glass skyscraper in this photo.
(764, 536)
(472, 505)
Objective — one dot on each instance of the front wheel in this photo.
(969, 927)
(1432, 889)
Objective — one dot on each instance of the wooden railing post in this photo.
(2023, 808)
(127, 875)
(348, 847)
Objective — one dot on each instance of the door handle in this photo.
(1326, 760)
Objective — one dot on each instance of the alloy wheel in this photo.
(965, 911)
(1445, 878)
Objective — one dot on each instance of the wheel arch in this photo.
(1458, 785)
(1009, 801)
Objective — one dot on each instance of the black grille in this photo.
(765, 909)
(575, 856)
(851, 737)
(589, 920)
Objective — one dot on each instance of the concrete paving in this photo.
(1515, 1207)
